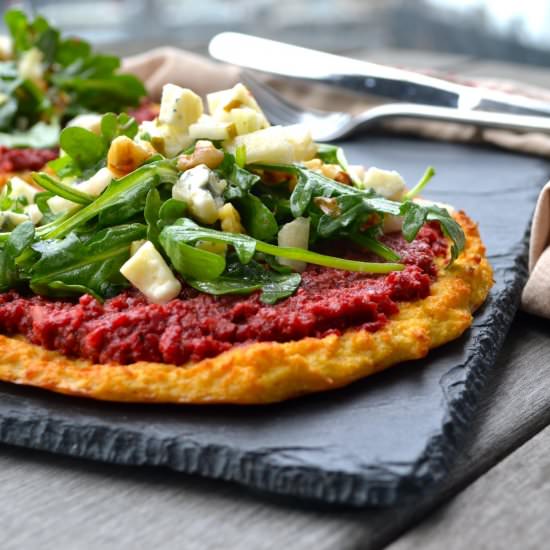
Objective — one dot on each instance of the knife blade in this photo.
(364, 77)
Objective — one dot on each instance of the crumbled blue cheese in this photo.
(202, 190)
(148, 272)
(179, 108)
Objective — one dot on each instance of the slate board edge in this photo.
(376, 487)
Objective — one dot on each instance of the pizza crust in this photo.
(269, 372)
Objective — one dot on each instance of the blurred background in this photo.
(395, 31)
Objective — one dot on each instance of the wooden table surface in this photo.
(496, 496)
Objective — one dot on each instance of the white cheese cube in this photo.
(30, 65)
(209, 128)
(93, 186)
(33, 213)
(294, 234)
(387, 183)
(165, 139)
(20, 189)
(277, 144)
(150, 274)
(201, 189)
(246, 119)
(267, 145)
(179, 108)
(13, 218)
(97, 183)
(356, 172)
(6, 47)
(226, 100)
(89, 121)
(302, 143)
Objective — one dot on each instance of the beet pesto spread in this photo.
(127, 328)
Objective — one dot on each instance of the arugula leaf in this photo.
(172, 210)
(19, 240)
(104, 93)
(18, 25)
(424, 180)
(311, 185)
(332, 154)
(240, 182)
(245, 279)
(352, 209)
(258, 219)
(151, 215)
(188, 260)
(367, 240)
(128, 204)
(450, 229)
(415, 216)
(187, 231)
(62, 190)
(118, 195)
(113, 126)
(81, 264)
(10, 203)
(85, 148)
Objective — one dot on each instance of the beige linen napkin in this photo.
(162, 65)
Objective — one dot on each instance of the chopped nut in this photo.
(342, 177)
(204, 153)
(327, 206)
(276, 178)
(230, 219)
(332, 171)
(125, 156)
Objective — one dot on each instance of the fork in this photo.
(333, 126)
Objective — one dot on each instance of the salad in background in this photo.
(46, 80)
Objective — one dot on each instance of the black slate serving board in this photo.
(380, 441)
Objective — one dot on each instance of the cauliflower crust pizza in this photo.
(213, 258)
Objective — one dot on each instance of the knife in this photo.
(364, 77)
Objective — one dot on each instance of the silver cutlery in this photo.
(331, 126)
(361, 76)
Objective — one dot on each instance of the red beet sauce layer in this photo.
(127, 328)
(15, 160)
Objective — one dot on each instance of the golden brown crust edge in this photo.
(269, 372)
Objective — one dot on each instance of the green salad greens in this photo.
(83, 248)
(49, 79)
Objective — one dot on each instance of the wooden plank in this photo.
(55, 503)
(506, 508)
